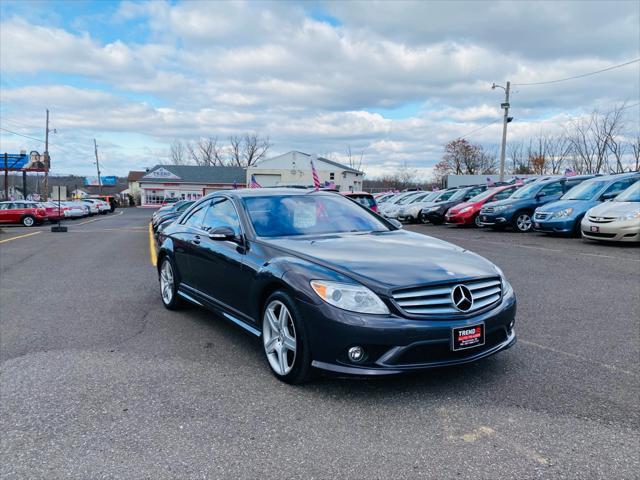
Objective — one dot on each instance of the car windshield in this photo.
(583, 191)
(527, 191)
(363, 199)
(423, 198)
(292, 215)
(458, 195)
(482, 195)
(631, 194)
(404, 200)
(442, 196)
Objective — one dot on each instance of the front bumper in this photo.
(556, 225)
(460, 218)
(395, 344)
(618, 231)
(496, 219)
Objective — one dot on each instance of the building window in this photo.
(332, 176)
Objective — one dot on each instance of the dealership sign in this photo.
(162, 173)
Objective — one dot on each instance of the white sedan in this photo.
(615, 221)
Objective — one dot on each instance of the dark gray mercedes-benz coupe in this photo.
(328, 284)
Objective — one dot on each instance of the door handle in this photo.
(196, 240)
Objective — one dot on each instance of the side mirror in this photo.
(395, 223)
(608, 196)
(222, 233)
(539, 195)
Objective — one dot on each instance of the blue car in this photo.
(517, 210)
(565, 215)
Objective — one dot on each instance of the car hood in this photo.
(460, 206)
(614, 209)
(579, 206)
(508, 201)
(387, 260)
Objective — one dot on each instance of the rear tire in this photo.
(28, 221)
(285, 340)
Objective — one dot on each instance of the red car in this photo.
(363, 198)
(20, 211)
(467, 213)
(53, 212)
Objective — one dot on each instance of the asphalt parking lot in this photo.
(98, 380)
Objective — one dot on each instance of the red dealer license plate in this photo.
(595, 228)
(468, 337)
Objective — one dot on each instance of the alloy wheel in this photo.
(28, 221)
(166, 282)
(477, 221)
(523, 222)
(279, 337)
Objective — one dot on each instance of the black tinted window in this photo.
(195, 218)
(221, 213)
(552, 189)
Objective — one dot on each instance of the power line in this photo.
(579, 76)
(21, 135)
(479, 128)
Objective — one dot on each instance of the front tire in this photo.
(285, 340)
(522, 222)
(423, 218)
(28, 221)
(169, 284)
(477, 222)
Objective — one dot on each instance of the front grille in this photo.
(601, 219)
(437, 299)
(487, 210)
(540, 215)
(599, 234)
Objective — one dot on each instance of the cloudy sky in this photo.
(396, 80)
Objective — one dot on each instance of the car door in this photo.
(218, 263)
(5, 214)
(186, 240)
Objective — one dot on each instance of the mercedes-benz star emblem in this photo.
(462, 298)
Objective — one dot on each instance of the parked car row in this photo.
(29, 213)
(598, 207)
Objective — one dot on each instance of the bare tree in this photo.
(519, 161)
(355, 161)
(206, 152)
(635, 151)
(248, 149)
(177, 153)
(557, 149)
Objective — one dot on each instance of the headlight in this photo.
(630, 216)
(563, 213)
(347, 296)
(501, 208)
(466, 209)
(433, 209)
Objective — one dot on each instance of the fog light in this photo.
(356, 354)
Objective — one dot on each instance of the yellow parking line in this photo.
(20, 236)
(100, 218)
(152, 248)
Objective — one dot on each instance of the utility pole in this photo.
(505, 121)
(95, 146)
(47, 163)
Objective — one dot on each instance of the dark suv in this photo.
(517, 210)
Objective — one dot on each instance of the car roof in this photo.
(615, 176)
(356, 193)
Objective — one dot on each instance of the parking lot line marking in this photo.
(152, 248)
(20, 236)
(578, 357)
(102, 218)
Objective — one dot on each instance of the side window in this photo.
(502, 195)
(552, 189)
(4, 206)
(619, 186)
(221, 213)
(474, 191)
(195, 218)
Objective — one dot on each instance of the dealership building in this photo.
(294, 168)
(188, 182)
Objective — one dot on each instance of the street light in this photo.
(506, 120)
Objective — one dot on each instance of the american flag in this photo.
(329, 184)
(489, 182)
(316, 179)
(569, 173)
(254, 183)
(519, 181)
